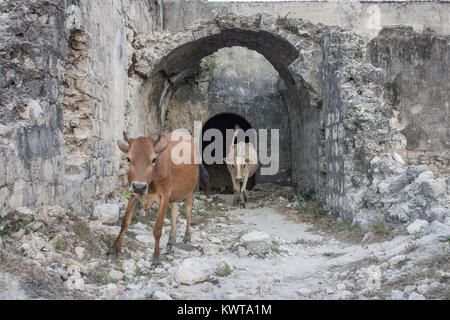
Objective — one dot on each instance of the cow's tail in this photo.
(204, 179)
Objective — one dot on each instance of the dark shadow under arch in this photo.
(218, 173)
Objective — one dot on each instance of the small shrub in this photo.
(224, 272)
(288, 25)
(358, 54)
(208, 65)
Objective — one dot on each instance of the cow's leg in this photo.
(237, 196)
(244, 190)
(157, 230)
(189, 201)
(173, 222)
(131, 209)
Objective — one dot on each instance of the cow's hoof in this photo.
(156, 261)
(187, 238)
(172, 242)
(113, 251)
(156, 265)
(245, 205)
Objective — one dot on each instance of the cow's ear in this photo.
(247, 161)
(161, 145)
(124, 146)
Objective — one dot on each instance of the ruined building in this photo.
(359, 91)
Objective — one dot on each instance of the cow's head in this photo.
(142, 154)
(239, 167)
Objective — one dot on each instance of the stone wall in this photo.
(33, 43)
(418, 88)
(99, 96)
(365, 18)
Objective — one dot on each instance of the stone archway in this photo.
(165, 62)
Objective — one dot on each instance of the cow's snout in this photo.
(138, 187)
(239, 179)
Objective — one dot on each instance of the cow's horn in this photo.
(157, 138)
(125, 136)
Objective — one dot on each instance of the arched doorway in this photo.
(297, 60)
(220, 178)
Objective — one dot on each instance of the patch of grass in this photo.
(287, 24)
(11, 227)
(358, 53)
(426, 270)
(207, 65)
(59, 246)
(226, 272)
(84, 233)
(402, 263)
(381, 232)
(131, 234)
(312, 211)
(203, 213)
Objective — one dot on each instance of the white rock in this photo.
(75, 283)
(216, 240)
(341, 287)
(26, 213)
(115, 275)
(409, 289)
(210, 249)
(242, 252)
(427, 175)
(18, 235)
(79, 251)
(145, 239)
(25, 247)
(192, 271)
(178, 296)
(256, 242)
(305, 292)
(107, 213)
(374, 277)
(329, 290)
(207, 287)
(112, 290)
(159, 295)
(397, 295)
(416, 296)
(423, 289)
(129, 267)
(434, 188)
(439, 228)
(438, 214)
(398, 158)
(394, 260)
(418, 226)
(140, 226)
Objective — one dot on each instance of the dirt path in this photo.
(263, 252)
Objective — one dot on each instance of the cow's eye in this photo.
(128, 159)
(154, 160)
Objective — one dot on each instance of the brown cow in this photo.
(154, 177)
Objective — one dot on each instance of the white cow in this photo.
(242, 163)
